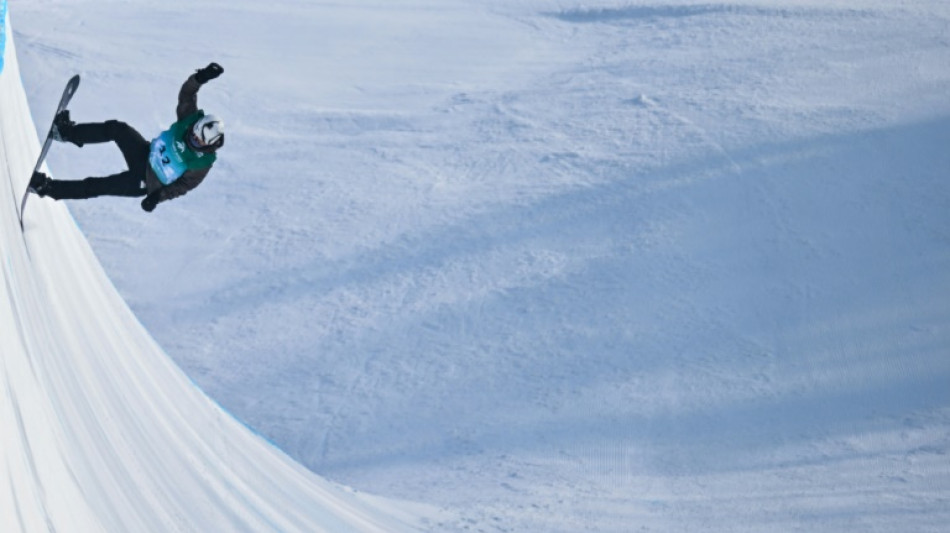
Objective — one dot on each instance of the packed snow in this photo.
(547, 265)
(100, 430)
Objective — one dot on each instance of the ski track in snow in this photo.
(622, 266)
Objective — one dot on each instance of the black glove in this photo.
(149, 203)
(212, 71)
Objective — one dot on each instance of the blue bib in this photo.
(170, 156)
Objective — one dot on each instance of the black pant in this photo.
(134, 149)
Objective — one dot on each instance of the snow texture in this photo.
(99, 429)
(552, 265)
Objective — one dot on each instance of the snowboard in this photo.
(68, 92)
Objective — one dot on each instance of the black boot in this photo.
(40, 183)
(63, 128)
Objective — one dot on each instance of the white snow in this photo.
(550, 265)
(99, 430)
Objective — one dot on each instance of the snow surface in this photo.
(99, 429)
(554, 265)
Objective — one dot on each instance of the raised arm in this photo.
(188, 95)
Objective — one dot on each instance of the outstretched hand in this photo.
(212, 71)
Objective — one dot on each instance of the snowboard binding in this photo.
(63, 128)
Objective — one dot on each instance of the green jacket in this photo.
(197, 165)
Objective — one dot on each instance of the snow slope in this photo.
(99, 429)
(560, 265)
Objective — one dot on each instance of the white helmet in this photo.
(208, 132)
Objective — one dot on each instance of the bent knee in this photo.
(117, 127)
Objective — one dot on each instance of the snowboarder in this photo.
(174, 163)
